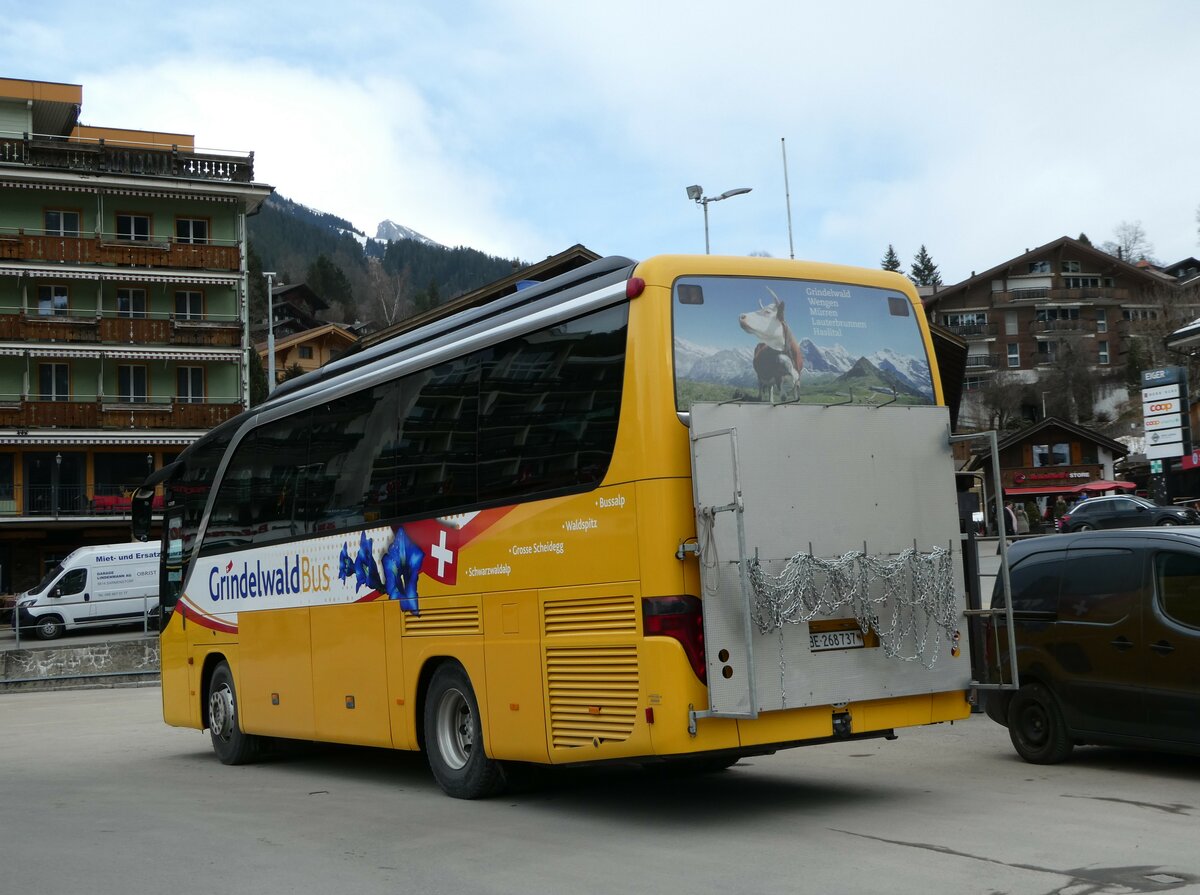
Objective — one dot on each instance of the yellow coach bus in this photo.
(677, 511)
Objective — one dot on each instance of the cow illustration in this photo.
(777, 358)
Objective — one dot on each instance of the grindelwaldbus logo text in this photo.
(297, 574)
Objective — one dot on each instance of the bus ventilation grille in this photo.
(593, 694)
(606, 615)
(442, 621)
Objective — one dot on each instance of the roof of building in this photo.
(329, 329)
(1150, 275)
(1117, 448)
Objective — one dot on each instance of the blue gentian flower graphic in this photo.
(401, 568)
(365, 572)
(345, 563)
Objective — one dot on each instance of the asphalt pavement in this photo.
(101, 797)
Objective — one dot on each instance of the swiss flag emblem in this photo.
(440, 544)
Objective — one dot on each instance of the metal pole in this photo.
(787, 194)
(270, 332)
(704, 204)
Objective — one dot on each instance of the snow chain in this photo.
(917, 596)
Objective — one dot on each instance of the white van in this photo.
(110, 584)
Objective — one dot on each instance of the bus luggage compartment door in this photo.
(809, 516)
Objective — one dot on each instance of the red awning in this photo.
(1037, 492)
(1102, 485)
(1089, 487)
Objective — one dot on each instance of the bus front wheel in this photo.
(229, 742)
(454, 737)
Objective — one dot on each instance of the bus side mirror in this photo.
(141, 512)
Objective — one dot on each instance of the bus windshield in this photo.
(762, 339)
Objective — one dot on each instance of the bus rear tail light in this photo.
(680, 618)
(634, 287)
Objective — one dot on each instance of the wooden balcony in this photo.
(120, 330)
(975, 330)
(105, 249)
(109, 414)
(101, 157)
(983, 361)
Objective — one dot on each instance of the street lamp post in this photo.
(57, 481)
(270, 275)
(696, 194)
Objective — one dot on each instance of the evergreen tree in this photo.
(891, 261)
(258, 379)
(923, 271)
(1083, 237)
(258, 286)
(329, 281)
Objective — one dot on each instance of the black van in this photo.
(1107, 626)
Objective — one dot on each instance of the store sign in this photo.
(1168, 405)
(1162, 376)
(1164, 436)
(1166, 421)
(1160, 393)
(1160, 451)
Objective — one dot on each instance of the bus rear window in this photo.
(760, 339)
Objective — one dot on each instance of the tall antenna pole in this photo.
(787, 193)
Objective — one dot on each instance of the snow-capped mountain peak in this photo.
(391, 231)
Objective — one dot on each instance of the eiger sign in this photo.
(1162, 376)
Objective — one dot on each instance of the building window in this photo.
(54, 382)
(134, 227)
(1085, 282)
(1071, 267)
(189, 305)
(974, 383)
(1103, 349)
(1047, 352)
(1039, 267)
(1011, 323)
(1046, 314)
(306, 352)
(1101, 320)
(191, 230)
(189, 385)
(53, 301)
(1139, 313)
(61, 223)
(131, 302)
(1014, 355)
(1052, 454)
(131, 384)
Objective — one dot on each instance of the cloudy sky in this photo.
(525, 126)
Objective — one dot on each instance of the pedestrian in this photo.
(1010, 519)
(1022, 519)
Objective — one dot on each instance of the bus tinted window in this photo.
(760, 339)
(257, 498)
(191, 488)
(351, 460)
(548, 407)
(439, 422)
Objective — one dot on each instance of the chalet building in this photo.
(295, 308)
(1052, 459)
(123, 330)
(1019, 316)
(307, 350)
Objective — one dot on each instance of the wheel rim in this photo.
(1084, 527)
(455, 729)
(48, 628)
(1034, 725)
(1167, 522)
(220, 712)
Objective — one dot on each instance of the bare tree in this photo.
(1131, 243)
(389, 293)
(1001, 398)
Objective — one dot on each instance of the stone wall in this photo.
(109, 664)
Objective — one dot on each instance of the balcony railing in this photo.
(66, 500)
(975, 330)
(1060, 326)
(32, 412)
(97, 156)
(18, 244)
(983, 361)
(87, 326)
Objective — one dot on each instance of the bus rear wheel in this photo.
(454, 737)
(231, 744)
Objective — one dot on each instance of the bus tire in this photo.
(454, 737)
(49, 627)
(231, 744)
(1036, 726)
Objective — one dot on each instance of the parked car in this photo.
(1107, 630)
(1123, 512)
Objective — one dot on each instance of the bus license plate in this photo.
(827, 640)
